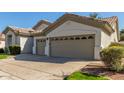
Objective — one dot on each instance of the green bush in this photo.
(116, 44)
(15, 49)
(1, 50)
(112, 57)
(6, 50)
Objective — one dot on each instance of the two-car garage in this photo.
(69, 46)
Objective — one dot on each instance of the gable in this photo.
(10, 32)
(104, 25)
(41, 27)
(42, 24)
(72, 28)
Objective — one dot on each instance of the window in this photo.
(56, 39)
(65, 38)
(90, 37)
(52, 39)
(71, 38)
(61, 38)
(83, 38)
(9, 40)
(77, 38)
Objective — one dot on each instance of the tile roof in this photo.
(110, 20)
(41, 22)
(104, 23)
(20, 31)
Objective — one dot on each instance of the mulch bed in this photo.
(100, 69)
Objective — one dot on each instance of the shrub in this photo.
(116, 44)
(6, 50)
(112, 56)
(15, 49)
(122, 37)
(1, 50)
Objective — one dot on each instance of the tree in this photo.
(94, 15)
(122, 31)
(122, 34)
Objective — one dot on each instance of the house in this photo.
(2, 40)
(19, 36)
(22, 36)
(70, 36)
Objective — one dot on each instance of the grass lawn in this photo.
(84, 76)
(3, 56)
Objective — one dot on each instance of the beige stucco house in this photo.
(70, 36)
(2, 40)
(19, 36)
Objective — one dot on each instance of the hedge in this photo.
(1, 50)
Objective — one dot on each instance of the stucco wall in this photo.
(2, 44)
(13, 38)
(26, 44)
(107, 39)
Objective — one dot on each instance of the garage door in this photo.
(40, 46)
(73, 47)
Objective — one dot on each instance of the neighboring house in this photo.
(70, 36)
(2, 40)
(19, 36)
(23, 36)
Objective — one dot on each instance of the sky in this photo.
(29, 19)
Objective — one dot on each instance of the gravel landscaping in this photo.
(101, 70)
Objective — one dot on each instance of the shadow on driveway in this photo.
(37, 58)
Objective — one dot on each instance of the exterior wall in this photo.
(73, 28)
(41, 27)
(2, 44)
(26, 44)
(13, 38)
(105, 39)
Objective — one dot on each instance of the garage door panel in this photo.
(73, 48)
(40, 47)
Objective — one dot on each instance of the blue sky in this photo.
(28, 19)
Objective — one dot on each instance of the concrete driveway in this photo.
(32, 67)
